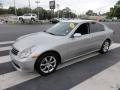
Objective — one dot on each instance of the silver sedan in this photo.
(44, 51)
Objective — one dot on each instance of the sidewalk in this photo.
(108, 79)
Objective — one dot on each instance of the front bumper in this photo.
(25, 65)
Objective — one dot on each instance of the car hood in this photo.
(40, 39)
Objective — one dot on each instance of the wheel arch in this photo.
(20, 18)
(50, 51)
(110, 41)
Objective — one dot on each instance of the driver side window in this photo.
(83, 29)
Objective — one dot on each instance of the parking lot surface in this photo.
(70, 75)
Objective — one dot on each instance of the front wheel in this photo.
(46, 64)
(105, 47)
(21, 20)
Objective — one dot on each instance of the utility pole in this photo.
(54, 9)
(15, 8)
(58, 10)
(37, 2)
(29, 4)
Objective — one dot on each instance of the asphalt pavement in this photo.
(12, 32)
(68, 76)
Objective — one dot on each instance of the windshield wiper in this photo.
(50, 33)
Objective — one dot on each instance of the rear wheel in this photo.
(21, 20)
(47, 63)
(32, 19)
(105, 47)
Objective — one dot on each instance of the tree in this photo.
(114, 11)
(11, 10)
(67, 13)
(3, 11)
(26, 10)
(1, 5)
(19, 12)
(43, 14)
(91, 13)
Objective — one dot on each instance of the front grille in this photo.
(14, 51)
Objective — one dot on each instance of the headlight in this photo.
(26, 53)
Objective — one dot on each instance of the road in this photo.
(68, 76)
(11, 32)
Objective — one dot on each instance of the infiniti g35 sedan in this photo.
(67, 40)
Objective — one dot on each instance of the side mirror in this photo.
(77, 35)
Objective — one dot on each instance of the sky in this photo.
(77, 6)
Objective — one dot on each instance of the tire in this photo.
(105, 47)
(21, 20)
(32, 19)
(44, 65)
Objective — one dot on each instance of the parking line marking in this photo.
(114, 45)
(4, 59)
(109, 79)
(5, 48)
(7, 42)
(16, 77)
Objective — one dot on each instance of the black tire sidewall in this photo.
(102, 48)
(39, 60)
(32, 19)
(21, 20)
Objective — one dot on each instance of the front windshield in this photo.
(62, 28)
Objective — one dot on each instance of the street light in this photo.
(37, 2)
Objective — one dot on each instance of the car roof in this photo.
(78, 21)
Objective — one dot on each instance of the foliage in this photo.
(91, 13)
(43, 14)
(114, 11)
(3, 11)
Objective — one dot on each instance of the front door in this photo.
(81, 44)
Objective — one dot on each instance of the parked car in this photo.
(55, 20)
(67, 40)
(28, 16)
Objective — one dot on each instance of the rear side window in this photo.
(96, 27)
(33, 14)
(27, 15)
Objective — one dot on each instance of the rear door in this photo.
(97, 35)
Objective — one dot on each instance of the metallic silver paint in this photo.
(66, 46)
